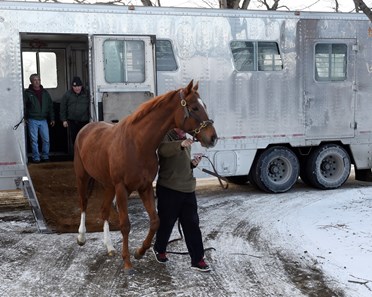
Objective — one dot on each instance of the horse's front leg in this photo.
(82, 180)
(122, 203)
(148, 201)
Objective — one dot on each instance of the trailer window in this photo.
(269, 58)
(44, 63)
(124, 61)
(165, 60)
(243, 55)
(330, 62)
(256, 56)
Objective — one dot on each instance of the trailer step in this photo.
(13, 200)
(30, 193)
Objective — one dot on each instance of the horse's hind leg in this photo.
(105, 213)
(148, 201)
(122, 202)
(84, 186)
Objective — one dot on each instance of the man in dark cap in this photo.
(74, 111)
(38, 109)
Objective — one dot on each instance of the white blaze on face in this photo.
(202, 104)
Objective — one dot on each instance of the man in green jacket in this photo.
(38, 109)
(74, 112)
(175, 190)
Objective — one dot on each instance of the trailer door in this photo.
(329, 75)
(124, 74)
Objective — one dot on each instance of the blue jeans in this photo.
(34, 128)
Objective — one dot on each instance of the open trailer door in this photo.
(124, 74)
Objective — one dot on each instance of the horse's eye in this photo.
(195, 108)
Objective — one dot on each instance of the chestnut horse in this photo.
(122, 157)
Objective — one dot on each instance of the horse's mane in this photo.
(148, 106)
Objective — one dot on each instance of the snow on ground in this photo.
(265, 245)
(333, 228)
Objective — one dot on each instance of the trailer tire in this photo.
(328, 167)
(276, 170)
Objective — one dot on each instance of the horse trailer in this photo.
(290, 93)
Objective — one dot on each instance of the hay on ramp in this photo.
(56, 192)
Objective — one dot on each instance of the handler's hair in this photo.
(34, 75)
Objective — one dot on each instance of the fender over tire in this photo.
(276, 170)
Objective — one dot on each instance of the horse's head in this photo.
(195, 120)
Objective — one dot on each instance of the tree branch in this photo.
(363, 7)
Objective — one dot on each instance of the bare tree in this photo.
(360, 5)
(274, 6)
(336, 6)
(234, 4)
(146, 3)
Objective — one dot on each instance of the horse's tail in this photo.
(91, 183)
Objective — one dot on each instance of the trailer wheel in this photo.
(276, 170)
(328, 167)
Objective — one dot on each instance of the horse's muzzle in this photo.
(213, 141)
(207, 140)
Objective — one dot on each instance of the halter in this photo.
(190, 113)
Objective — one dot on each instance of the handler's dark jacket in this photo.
(175, 170)
(75, 107)
(33, 110)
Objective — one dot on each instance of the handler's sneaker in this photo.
(160, 257)
(201, 266)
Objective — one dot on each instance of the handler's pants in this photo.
(173, 205)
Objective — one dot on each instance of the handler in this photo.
(175, 190)
(74, 112)
(38, 110)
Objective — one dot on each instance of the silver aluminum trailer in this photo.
(290, 92)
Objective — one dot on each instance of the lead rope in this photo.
(15, 127)
(214, 173)
(180, 238)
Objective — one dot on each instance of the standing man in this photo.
(175, 190)
(38, 109)
(74, 112)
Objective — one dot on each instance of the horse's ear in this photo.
(196, 86)
(189, 87)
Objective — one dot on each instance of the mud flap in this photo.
(363, 175)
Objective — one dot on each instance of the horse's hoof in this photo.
(129, 271)
(112, 253)
(79, 242)
(137, 255)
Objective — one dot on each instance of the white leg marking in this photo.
(115, 204)
(107, 239)
(82, 230)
